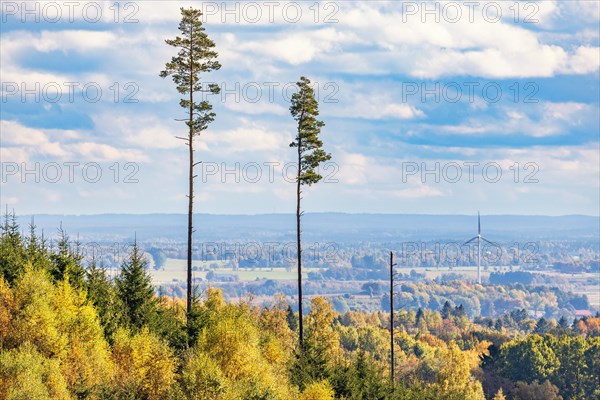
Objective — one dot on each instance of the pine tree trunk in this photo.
(190, 226)
(191, 188)
(299, 248)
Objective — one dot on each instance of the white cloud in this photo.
(585, 59)
(353, 168)
(300, 47)
(83, 41)
(143, 131)
(23, 140)
(565, 111)
(417, 192)
(400, 111)
(537, 120)
(376, 108)
(371, 101)
(24, 144)
(91, 151)
(67, 40)
(421, 47)
(261, 107)
(251, 137)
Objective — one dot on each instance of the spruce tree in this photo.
(66, 263)
(563, 323)
(542, 326)
(12, 253)
(499, 325)
(196, 55)
(305, 110)
(103, 295)
(446, 310)
(291, 318)
(459, 311)
(36, 252)
(419, 316)
(134, 286)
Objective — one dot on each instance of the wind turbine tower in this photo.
(478, 238)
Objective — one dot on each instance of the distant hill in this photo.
(339, 227)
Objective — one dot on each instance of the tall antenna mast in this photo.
(392, 360)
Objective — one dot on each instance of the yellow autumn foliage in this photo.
(145, 365)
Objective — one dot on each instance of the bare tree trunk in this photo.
(299, 248)
(190, 190)
(190, 226)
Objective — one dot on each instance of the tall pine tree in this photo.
(305, 110)
(195, 56)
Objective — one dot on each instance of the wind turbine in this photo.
(478, 238)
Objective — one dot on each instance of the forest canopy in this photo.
(70, 331)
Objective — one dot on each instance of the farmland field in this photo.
(174, 272)
(469, 271)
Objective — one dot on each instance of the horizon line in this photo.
(316, 212)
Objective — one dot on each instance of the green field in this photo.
(469, 271)
(174, 271)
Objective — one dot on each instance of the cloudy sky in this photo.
(438, 108)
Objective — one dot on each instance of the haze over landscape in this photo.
(332, 226)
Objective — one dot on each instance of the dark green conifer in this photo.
(134, 286)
